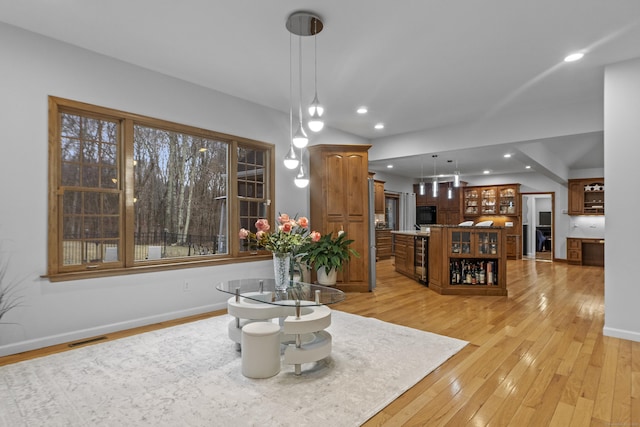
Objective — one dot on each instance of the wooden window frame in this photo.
(127, 264)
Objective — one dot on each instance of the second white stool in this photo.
(260, 350)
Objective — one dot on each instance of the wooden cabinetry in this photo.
(378, 203)
(405, 252)
(339, 193)
(448, 210)
(585, 251)
(574, 251)
(468, 261)
(586, 196)
(383, 243)
(514, 246)
(508, 200)
(427, 198)
(494, 200)
(500, 204)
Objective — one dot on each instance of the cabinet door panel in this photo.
(357, 171)
(576, 198)
(357, 268)
(334, 167)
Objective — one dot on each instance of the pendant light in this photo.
(422, 188)
(434, 184)
(300, 24)
(315, 109)
(300, 138)
(449, 192)
(302, 179)
(291, 161)
(456, 177)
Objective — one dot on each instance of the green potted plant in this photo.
(327, 255)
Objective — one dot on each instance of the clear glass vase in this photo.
(281, 266)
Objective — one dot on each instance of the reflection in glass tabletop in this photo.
(264, 290)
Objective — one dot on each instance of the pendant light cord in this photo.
(290, 90)
(315, 55)
(300, 78)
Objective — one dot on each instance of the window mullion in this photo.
(128, 205)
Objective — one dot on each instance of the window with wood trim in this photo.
(132, 193)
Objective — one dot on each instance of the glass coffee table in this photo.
(302, 312)
(264, 290)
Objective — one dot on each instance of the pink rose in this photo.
(303, 222)
(283, 218)
(260, 234)
(262, 225)
(243, 234)
(286, 227)
(315, 236)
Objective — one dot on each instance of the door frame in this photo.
(553, 219)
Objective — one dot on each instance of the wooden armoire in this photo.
(339, 200)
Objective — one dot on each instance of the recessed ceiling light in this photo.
(527, 167)
(379, 126)
(362, 110)
(389, 166)
(506, 156)
(574, 57)
(486, 172)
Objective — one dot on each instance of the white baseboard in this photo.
(621, 333)
(33, 344)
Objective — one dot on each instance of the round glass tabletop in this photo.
(264, 290)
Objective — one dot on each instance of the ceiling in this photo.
(416, 64)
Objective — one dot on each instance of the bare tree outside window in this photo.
(180, 193)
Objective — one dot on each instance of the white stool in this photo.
(260, 350)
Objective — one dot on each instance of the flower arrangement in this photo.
(291, 235)
(328, 252)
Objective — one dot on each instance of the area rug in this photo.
(190, 375)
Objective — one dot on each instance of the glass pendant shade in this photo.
(301, 180)
(456, 179)
(449, 192)
(422, 188)
(315, 123)
(300, 138)
(316, 107)
(291, 160)
(434, 187)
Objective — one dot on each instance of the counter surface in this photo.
(411, 233)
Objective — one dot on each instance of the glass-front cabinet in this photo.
(495, 200)
(473, 262)
(489, 201)
(471, 200)
(508, 201)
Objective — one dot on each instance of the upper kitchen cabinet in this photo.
(586, 196)
(493, 200)
(427, 198)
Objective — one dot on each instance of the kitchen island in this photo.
(411, 249)
(458, 260)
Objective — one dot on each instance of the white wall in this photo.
(35, 67)
(621, 132)
(395, 183)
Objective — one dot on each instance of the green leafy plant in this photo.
(328, 252)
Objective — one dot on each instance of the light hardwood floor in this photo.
(535, 358)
